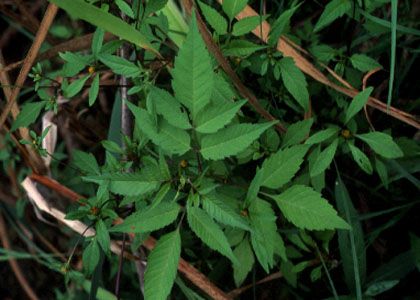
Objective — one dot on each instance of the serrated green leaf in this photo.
(131, 184)
(243, 253)
(209, 232)
(193, 73)
(75, 62)
(233, 7)
(91, 256)
(143, 120)
(112, 147)
(306, 209)
(217, 116)
(216, 20)
(333, 10)
(322, 136)
(154, 6)
(246, 25)
(167, 106)
(382, 144)
(162, 265)
(28, 115)
(324, 159)
(94, 90)
(75, 87)
(279, 169)
(241, 48)
(148, 220)
(85, 162)
(264, 229)
(172, 139)
(280, 25)
(364, 63)
(214, 205)
(358, 102)
(120, 65)
(231, 140)
(294, 81)
(361, 159)
(297, 132)
(102, 236)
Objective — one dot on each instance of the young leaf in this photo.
(169, 138)
(154, 6)
(167, 106)
(143, 120)
(214, 205)
(172, 139)
(306, 209)
(241, 48)
(264, 230)
(280, 168)
(333, 10)
(97, 40)
(91, 257)
(125, 8)
(297, 132)
(233, 7)
(102, 236)
(150, 219)
(94, 90)
(246, 25)
(75, 87)
(129, 184)
(217, 116)
(216, 21)
(231, 140)
(243, 252)
(364, 63)
(112, 147)
(74, 63)
(294, 81)
(382, 144)
(85, 162)
(280, 25)
(322, 135)
(28, 115)
(120, 65)
(209, 232)
(357, 103)
(324, 159)
(361, 159)
(193, 73)
(162, 265)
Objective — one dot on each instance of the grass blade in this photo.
(354, 265)
(104, 20)
(394, 11)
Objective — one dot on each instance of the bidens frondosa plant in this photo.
(197, 183)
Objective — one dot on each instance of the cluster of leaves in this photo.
(201, 169)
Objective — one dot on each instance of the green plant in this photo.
(213, 180)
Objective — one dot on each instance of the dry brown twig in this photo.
(29, 60)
